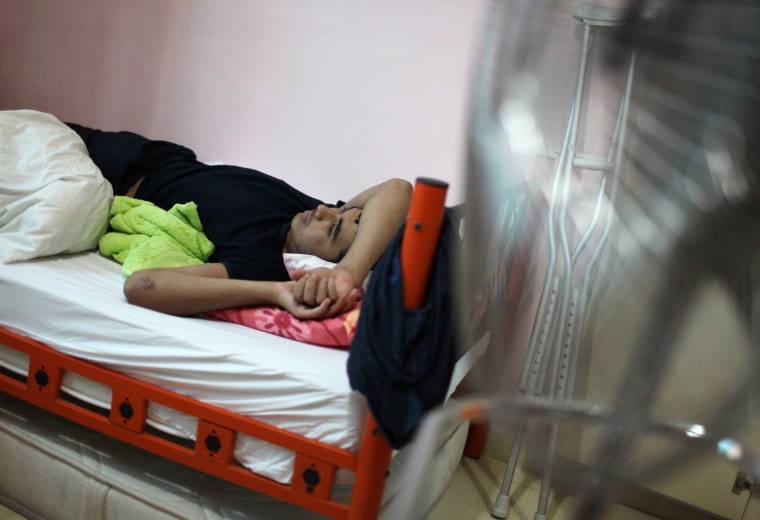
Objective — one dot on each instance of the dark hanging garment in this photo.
(402, 360)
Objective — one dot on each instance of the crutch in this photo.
(555, 335)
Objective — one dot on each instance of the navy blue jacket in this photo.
(402, 360)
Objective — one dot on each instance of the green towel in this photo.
(144, 236)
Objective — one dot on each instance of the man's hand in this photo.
(286, 300)
(338, 287)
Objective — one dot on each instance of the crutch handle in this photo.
(608, 16)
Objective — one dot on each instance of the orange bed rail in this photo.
(315, 462)
(418, 246)
(420, 238)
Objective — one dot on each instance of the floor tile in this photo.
(476, 484)
(7, 514)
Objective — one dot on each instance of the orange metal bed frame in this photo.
(315, 462)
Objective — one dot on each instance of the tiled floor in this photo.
(7, 514)
(476, 484)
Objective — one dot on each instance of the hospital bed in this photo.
(170, 417)
(162, 374)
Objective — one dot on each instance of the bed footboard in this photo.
(315, 462)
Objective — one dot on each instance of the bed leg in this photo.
(371, 473)
(477, 435)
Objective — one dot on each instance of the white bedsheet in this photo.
(74, 303)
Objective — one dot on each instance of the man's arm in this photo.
(188, 291)
(384, 209)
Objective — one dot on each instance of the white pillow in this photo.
(297, 261)
(53, 199)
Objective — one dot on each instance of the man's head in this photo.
(323, 232)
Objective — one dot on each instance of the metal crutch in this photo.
(555, 335)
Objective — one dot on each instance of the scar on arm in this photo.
(147, 283)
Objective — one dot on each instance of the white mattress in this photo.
(75, 304)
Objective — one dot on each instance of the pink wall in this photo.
(331, 98)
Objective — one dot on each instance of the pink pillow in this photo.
(330, 332)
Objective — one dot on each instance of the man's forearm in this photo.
(174, 292)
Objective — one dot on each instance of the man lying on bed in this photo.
(252, 219)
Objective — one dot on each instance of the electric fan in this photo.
(614, 168)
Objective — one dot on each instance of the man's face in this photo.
(324, 232)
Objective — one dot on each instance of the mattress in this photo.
(54, 468)
(74, 303)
